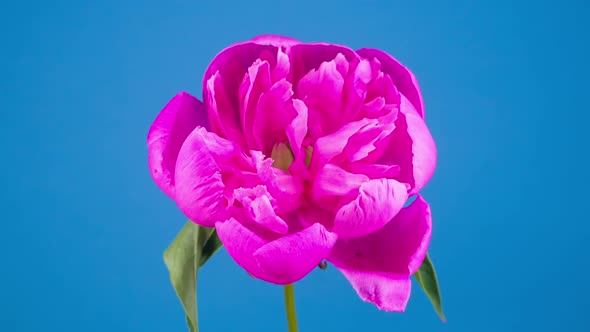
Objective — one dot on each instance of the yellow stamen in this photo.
(282, 156)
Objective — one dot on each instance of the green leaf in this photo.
(191, 248)
(211, 246)
(426, 277)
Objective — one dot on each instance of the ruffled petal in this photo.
(367, 139)
(172, 126)
(412, 148)
(378, 201)
(355, 140)
(402, 77)
(273, 115)
(221, 85)
(382, 86)
(286, 188)
(291, 257)
(355, 88)
(328, 147)
(321, 90)
(379, 265)
(256, 82)
(199, 183)
(223, 110)
(259, 206)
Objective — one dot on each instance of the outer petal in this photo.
(379, 265)
(174, 123)
(199, 183)
(292, 257)
(411, 146)
(241, 242)
(377, 203)
(402, 77)
(279, 260)
(388, 291)
(275, 40)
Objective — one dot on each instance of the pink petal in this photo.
(282, 67)
(373, 108)
(321, 90)
(174, 123)
(388, 291)
(255, 83)
(241, 242)
(223, 110)
(402, 77)
(379, 265)
(292, 257)
(355, 88)
(411, 146)
(366, 140)
(275, 40)
(286, 188)
(375, 171)
(330, 146)
(309, 56)
(279, 61)
(221, 93)
(260, 206)
(273, 114)
(199, 182)
(274, 258)
(332, 180)
(308, 215)
(382, 86)
(296, 132)
(377, 203)
(357, 140)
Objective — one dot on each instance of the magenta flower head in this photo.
(301, 153)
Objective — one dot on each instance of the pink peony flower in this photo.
(303, 152)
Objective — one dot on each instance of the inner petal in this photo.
(255, 83)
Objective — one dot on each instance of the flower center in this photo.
(283, 157)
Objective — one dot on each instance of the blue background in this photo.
(84, 226)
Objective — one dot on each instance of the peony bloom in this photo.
(303, 152)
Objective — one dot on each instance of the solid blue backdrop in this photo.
(84, 227)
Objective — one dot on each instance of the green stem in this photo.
(290, 307)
